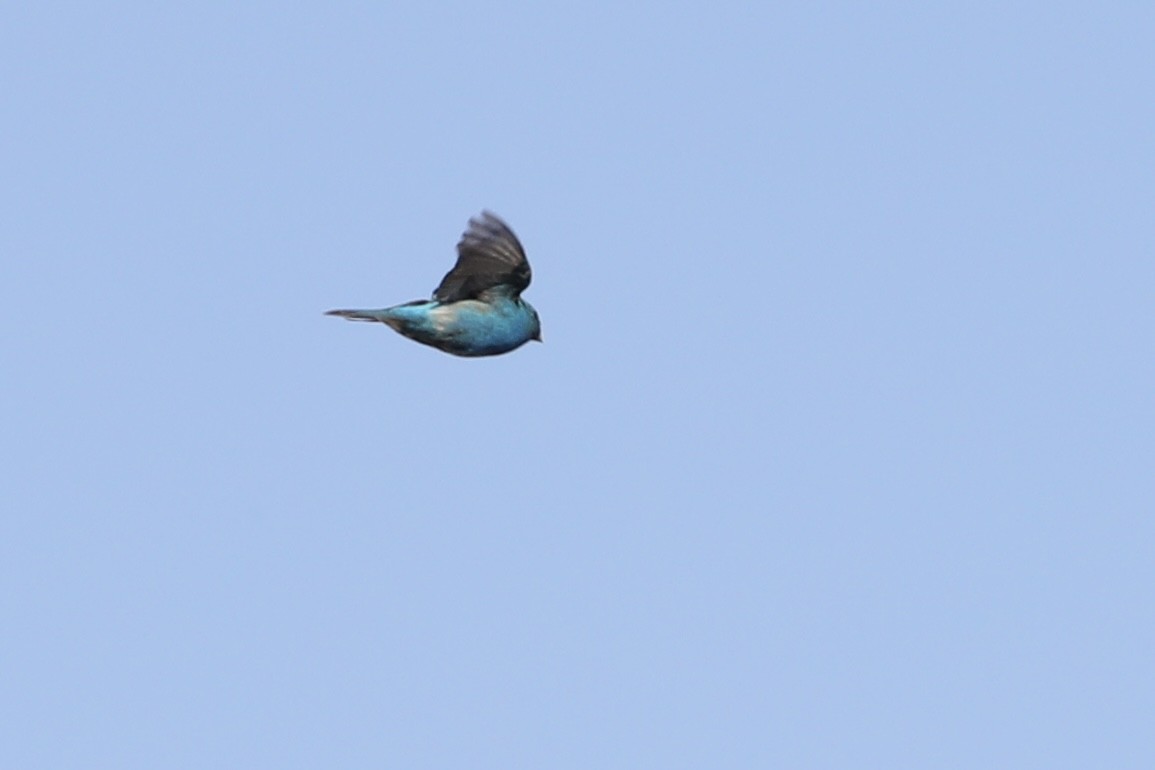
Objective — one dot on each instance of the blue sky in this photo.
(838, 452)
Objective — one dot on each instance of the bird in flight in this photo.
(477, 310)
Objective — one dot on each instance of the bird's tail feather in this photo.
(361, 315)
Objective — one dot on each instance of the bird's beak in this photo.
(537, 337)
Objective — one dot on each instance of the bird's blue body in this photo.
(477, 310)
(488, 326)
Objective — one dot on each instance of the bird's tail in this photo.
(361, 315)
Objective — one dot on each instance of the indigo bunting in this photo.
(477, 309)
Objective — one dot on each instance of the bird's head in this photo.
(536, 327)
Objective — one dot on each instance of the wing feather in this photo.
(488, 255)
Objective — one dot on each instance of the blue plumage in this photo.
(477, 310)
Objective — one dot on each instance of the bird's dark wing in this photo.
(488, 255)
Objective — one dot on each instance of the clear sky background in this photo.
(839, 452)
